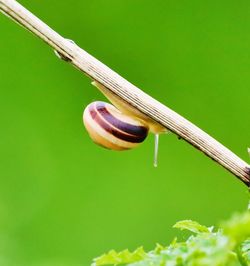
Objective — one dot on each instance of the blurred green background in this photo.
(64, 200)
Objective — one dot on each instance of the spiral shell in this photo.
(109, 128)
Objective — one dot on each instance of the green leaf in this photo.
(245, 248)
(237, 228)
(158, 249)
(123, 257)
(192, 226)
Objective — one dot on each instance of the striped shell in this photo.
(108, 127)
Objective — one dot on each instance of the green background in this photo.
(64, 200)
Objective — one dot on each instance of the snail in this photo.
(119, 126)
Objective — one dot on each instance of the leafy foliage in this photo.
(246, 251)
(123, 257)
(229, 245)
(192, 226)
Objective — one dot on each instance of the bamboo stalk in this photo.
(128, 92)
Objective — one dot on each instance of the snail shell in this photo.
(109, 128)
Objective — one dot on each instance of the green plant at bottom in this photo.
(229, 245)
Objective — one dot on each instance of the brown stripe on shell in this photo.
(101, 140)
(135, 130)
(108, 126)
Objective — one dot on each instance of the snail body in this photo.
(129, 110)
(119, 127)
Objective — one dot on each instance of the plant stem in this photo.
(128, 92)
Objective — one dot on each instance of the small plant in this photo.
(228, 245)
